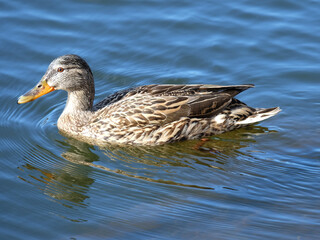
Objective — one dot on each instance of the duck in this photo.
(144, 115)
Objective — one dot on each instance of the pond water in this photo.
(259, 182)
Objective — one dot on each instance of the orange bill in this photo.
(39, 90)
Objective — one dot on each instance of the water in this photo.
(260, 182)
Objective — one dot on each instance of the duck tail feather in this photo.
(260, 115)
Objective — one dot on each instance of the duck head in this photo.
(68, 72)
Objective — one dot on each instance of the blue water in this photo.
(259, 182)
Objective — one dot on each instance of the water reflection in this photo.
(178, 164)
(68, 183)
(62, 185)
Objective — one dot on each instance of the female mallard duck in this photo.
(145, 115)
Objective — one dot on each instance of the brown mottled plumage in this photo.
(145, 115)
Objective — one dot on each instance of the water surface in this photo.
(259, 182)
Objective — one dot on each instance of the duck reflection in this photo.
(66, 182)
(179, 164)
(62, 185)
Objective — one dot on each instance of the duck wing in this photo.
(188, 89)
(161, 104)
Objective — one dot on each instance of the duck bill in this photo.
(39, 90)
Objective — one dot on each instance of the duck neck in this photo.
(77, 111)
(79, 101)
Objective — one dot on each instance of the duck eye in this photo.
(60, 69)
